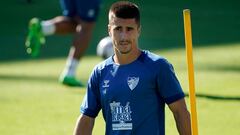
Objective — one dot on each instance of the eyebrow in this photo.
(128, 27)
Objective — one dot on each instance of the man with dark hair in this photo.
(79, 17)
(133, 86)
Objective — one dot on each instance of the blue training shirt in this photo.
(132, 96)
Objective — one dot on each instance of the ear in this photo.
(109, 30)
(139, 30)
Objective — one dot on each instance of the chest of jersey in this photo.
(125, 83)
(126, 93)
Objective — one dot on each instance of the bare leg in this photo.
(64, 25)
(82, 32)
(81, 38)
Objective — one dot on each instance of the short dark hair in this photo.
(125, 10)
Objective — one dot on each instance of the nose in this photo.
(123, 35)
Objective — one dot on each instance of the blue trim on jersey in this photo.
(88, 112)
(174, 98)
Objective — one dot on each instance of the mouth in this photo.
(123, 43)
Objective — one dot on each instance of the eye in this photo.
(118, 28)
(129, 28)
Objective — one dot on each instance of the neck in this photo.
(122, 59)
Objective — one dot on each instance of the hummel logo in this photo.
(105, 85)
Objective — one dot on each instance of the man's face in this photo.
(124, 33)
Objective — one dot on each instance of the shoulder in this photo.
(99, 70)
(156, 63)
(103, 65)
(154, 59)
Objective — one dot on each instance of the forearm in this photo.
(183, 122)
(84, 126)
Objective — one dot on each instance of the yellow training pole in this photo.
(188, 43)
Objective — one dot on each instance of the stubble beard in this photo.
(125, 51)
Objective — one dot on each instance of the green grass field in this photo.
(32, 102)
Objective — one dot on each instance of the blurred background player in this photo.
(79, 17)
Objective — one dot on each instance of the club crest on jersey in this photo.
(132, 82)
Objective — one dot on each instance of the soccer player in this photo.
(133, 86)
(78, 18)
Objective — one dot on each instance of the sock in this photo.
(71, 67)
(48, 28)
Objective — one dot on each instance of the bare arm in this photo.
(181, 116)
(84, 125)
